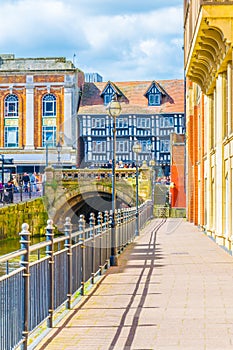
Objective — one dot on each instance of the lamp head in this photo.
(114, 107)
(137, 147)
(59, 146)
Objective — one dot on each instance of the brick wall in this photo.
(177, 190)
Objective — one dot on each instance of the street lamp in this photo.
(152, 164)
(137, 148)
(114, 110)
(59, 148)
(2, 155)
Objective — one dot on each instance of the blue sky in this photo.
(121, 40)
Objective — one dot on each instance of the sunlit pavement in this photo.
(172, 289)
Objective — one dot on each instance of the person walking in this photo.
(26, 180)
(33, 181)
(9, 192)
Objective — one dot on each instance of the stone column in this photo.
(219, 158)
(69, 134)
(29, 117)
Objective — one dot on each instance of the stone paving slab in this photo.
(172, 289)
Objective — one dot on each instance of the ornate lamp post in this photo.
(152, 164)
(137, 148)
(59, 148)
(114, 110)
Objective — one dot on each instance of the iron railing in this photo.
(41, 279)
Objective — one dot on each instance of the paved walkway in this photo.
(173, 289)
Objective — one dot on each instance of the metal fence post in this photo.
(68, 245)
(119, 231)
(92, 224)
(82, 223)
(21, 192)
(92, 235)
(25, 244)
(107, 240)
(100, 229)
(49, 251)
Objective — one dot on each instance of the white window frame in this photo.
(11, 132)
(49, 105)
(11, 102)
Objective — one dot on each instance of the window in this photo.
(99, 146)
(154, 99)
(11, 136)
(49, 106)
(143, 122)
(121, 146)
(107, 99)
(49, 136)
(154, 96)
(98, 123)
(166, 122)
(108, 94)
(121, 123)
(11, 106)
(11, 129)
(165, 146)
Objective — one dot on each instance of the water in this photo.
(11, 245)
(8, 246)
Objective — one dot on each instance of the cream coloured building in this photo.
(208, 37)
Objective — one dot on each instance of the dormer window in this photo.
(154, 99)
(154, 95)
(109, 90)
(108, 95)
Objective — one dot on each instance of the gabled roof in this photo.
(114, 87)
(159, 88)
(133, 99)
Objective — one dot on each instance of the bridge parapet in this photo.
(65, 187)
(74, 174)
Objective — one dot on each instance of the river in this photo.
(10, 245)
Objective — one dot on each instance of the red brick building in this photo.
(38, 106)
(177, 185)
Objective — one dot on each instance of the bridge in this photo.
(85, 191)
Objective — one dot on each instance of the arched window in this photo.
(11, 106)
(49, 105)
(49, 129)
(11, 121)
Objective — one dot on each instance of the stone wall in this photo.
(13, 216)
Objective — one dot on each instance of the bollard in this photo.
(25, 244)
(68, 244)
(49, 252)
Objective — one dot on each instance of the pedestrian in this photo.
(9, 192)
(33, 181)
(15, 184)
(26, 180)
(1, 192)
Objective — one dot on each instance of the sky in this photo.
(124, 40)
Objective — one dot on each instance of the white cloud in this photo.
(121, 42)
